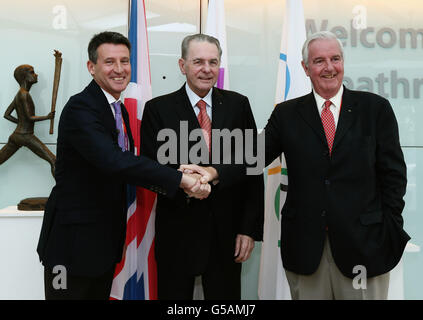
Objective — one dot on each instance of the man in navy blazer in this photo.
(342, 228)
(84, 224)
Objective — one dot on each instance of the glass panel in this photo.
(168, 23)
(32, 30)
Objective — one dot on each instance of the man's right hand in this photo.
(208, 174)
(194, 187)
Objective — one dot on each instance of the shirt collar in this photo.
(194, 98)
(109, 97)
(336, 99)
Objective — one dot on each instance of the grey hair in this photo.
(200, 38)
(320, 35)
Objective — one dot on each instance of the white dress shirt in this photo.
(193, 98)
(335, 107)
(110, 100)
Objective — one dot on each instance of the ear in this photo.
(90, 67)
(305, 68)
(181, 63)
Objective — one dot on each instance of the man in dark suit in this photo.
(342, 229)
(84, 223)
(210, 237)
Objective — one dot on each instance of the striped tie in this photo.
(205, 123)
(119, 126)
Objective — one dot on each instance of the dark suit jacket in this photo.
(185, 228)
(85, 216)
(357, 192)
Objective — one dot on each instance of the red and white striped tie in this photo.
(328, 122)
(204, 121)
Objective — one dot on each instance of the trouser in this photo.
(221, 279)
(328, 283)
(77, 287)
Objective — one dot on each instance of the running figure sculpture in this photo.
(25, 112)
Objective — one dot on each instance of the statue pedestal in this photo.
(32, 204)
(21, 273)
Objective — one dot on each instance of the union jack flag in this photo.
(135, 276)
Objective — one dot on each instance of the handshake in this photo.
(195, 180)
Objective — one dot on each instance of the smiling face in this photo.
(201, 66)
(112, 70)
(325, 67)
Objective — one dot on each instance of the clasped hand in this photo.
(195, 180)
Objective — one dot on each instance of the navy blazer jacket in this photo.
(85, 216)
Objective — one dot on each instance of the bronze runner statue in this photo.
(25, 111)
(23, 136)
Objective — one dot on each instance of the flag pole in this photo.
(289, 85)
(204, 4)
(129, 15)
(201, 14)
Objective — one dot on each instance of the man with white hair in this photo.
(342, 229)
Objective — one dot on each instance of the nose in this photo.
(206, 66)
(118, 67)
(329, 65)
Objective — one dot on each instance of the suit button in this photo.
(327, 182)
(323, 213)
(326, 153)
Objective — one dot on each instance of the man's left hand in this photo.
(244, 245)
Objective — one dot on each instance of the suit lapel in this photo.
(101, 102)
(184, 109)
(346, 117)
(125, 116)
(186, 112)
(308, 110)
(108, 118)
(218, 110)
